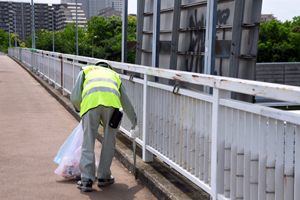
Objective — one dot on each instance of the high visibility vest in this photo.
(101, 87)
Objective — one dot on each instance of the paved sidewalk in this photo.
(33, 126)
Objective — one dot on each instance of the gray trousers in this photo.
(90, 125)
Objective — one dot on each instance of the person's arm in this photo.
(76, 95)
(127, 106)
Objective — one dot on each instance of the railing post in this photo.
(147, 156)
(44, 64)
(63, 77)
(20, 54)
(74, 76)
(55, 73)
(218, 143)
(36, 62)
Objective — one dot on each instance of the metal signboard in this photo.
(181, 37)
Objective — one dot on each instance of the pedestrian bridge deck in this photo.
(33, 127)
(228, 148)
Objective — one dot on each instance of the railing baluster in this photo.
(206, 145)
(227, 152)
(240, 156)
(297, 163)
(197, 139)
(279, 165)
(147, 156)
(270, 168)
(248, 123)
(289, 165)
(262, 158)
(233, 167)
(254, 157)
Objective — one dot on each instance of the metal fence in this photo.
(229, 148)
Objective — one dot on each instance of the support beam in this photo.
(156, 31)
(139, 31)
(124, 30)
(210, 39)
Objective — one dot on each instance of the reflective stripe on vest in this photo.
(101, 87)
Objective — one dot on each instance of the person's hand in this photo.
(134, 132)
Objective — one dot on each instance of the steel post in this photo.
(76, 31)
(156, 31)
(210, 40)
(53, 28)
(124, 30)
(33, 32)
(139, 30)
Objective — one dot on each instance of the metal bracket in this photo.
(131, 78)
(176, 89)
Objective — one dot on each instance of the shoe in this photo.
(85, 186)
(105, 182)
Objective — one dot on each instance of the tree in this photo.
(107, 45)
(279, 42)
(4, 41)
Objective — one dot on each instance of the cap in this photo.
(104, 64)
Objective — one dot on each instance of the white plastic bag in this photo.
(68, 143)
(69, 154)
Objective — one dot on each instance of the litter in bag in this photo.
(69, 154)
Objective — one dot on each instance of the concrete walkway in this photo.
(33, 126)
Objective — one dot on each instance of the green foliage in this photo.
(279, 41)
(107, 45)
(4, 41)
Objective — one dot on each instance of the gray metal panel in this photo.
(140, 25)
(186, 28)
(283, 73)
(175, 33)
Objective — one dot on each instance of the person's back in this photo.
(101, 87)
(98, 91)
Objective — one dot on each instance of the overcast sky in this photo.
(282, 9)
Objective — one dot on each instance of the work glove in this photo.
(134, 132)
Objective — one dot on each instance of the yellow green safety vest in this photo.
(101, 87)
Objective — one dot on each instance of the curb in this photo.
(163, 181)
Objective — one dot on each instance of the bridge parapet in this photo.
(229, 148)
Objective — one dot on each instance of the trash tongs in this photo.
(134, 158)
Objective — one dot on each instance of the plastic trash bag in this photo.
(67, 144)
(69, 154)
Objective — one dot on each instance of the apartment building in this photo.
(108, 12)
(115, 4)
(93, 7)
(89, 7)
(267, 17)
(62, 14)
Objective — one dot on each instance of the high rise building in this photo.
(115, 4)
(63, 14)
(92, 7)
(89, 7)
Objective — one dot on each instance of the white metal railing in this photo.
(231, 149)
